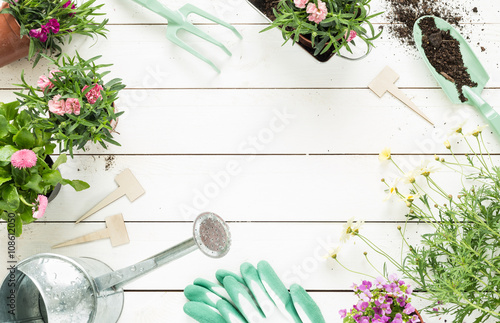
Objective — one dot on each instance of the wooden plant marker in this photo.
(127, 185)
(115, 231)
(384, 82)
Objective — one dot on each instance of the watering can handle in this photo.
(484, 108)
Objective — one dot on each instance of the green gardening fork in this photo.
(178, 20)
(474, 68)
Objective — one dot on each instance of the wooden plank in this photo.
(240, 12)
(149, 307)
(271, 121)
(241, 188)
(143, 57)
(295, 250)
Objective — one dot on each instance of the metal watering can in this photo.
(50, 288)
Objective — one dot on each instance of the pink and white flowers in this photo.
(316, 14)
(300, 3)
(24, 158)
(73, 106)
(93, 94)
(351, 35)
(39, 206)
(57, 105)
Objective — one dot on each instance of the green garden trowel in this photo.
(474, 68)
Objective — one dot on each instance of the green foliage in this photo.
(33, 14)
(19, 188)
(94, 121)
(458, 263)
(343, 17)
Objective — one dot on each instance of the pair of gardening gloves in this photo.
(258, 295)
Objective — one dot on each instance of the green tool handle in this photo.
(484, 108)
(159, 8)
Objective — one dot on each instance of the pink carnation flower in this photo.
(316, 14)
(73, 106)
(351, 36)
(57, 106)
(300, 3)
(52, 73)
(24, 158)
(93, 94)
(39, 206)
(43, 82)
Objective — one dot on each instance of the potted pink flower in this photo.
(29, 178)
(42, 26)
(322, 27)
(73, 103)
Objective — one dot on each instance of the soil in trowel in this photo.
(443, 52)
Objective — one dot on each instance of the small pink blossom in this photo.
(300, 3)
(23, 158)
(43, 82)
(93, 94)
(39, 206)
(316, 14)
(52, 73)
(351, 36)
(73, 106)
(57, 106)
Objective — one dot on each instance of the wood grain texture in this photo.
(282, 147)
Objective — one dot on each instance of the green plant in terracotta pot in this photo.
(325, 26)
(28, 177)
(42, 26)
(73, 103)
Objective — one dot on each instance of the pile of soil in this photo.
(266, 7)
(443, 52)
(402, 14)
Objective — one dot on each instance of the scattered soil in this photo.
(110, 162)
(443, 52)
(266, 7)
(402, 15)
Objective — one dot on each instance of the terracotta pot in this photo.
(12, 46)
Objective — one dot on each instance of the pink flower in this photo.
(66, 5)
(53, 26)
(23, 158)
(52, 73)
(316, 14)
(351, 36)
(43, 82)
(93, 94)
(39, 206)
(300, 3)
(57, 106)
(73, 106)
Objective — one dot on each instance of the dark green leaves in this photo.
(24, 138)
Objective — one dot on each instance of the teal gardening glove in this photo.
(258, 295)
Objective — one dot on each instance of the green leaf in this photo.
(52, 177)
(9, 110)
(24, 138)
(76, 184)
(10, 198)
(34, 184)
(60, 160)
(23, 119)
(3, 126)
(6, 153)
(5, 176)
(18, 227)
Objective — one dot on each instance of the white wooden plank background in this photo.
(281, 146)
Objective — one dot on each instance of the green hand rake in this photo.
(178, 20)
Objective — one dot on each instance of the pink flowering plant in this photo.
(50, 23)
(383, 301)
(27, 174)
(329, 24)
(73, 102)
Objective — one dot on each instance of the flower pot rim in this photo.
(14, 25)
